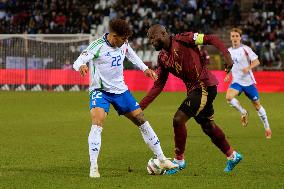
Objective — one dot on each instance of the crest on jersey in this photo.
(94, 102)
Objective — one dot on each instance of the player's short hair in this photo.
(120, 27)
(238, 30)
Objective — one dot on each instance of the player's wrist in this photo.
(228, 69)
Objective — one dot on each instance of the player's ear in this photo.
(114, 35)
(163, 33)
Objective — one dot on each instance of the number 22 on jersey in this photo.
(116, 61)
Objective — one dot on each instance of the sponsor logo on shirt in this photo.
(108, 54)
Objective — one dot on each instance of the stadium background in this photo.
(41, 39)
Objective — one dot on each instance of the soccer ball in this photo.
(153, 167)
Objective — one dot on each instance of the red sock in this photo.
(218, 138)
(180, 141)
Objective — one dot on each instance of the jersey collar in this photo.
(105, 38)
(171, 43)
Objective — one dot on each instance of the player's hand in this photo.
(152, 74)
(83, 70)
(246, 70)
(227, 77)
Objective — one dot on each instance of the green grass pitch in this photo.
(43, 144)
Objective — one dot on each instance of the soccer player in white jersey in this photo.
(244, 60)
(105, 58)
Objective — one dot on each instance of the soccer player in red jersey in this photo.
(180, 56)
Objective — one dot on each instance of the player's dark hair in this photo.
(238, 30)
(120, 27)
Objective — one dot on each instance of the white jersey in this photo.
(106, 65)
(242, 58)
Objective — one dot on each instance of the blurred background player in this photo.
(180, 56)
(105, 57)
(243, 79)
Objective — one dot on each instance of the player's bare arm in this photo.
(253, 64)
(83, 70)
(152, 74)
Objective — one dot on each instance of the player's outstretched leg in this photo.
(94, 140)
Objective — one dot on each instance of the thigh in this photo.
(235, 88)
(207, 113)
(194, 103)
(99, 100)
(125, 103)
(231, 93)
(251, 92)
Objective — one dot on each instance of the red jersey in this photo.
(185, 62)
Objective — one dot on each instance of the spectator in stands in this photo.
(262, 27)
(67, 65)
(265, 20)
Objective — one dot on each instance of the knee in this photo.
(177, 122)
(97, 121)
(207, 126)
(229, 98)
(139, 119)
(257, 105)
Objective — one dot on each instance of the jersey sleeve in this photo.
(190, 38)
(91, 52)
(201, 39)
(252, 56)
(157, 87)
(132, 56)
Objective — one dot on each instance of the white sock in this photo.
(94, 144)
(236, 104)
(232, 156)
(180, 162)
(263, 117)
(152, 140)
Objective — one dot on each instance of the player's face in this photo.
(156, 40)
(235, 38)
(119, 40)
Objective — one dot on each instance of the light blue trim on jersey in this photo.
(123, 103)
(250, 91)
